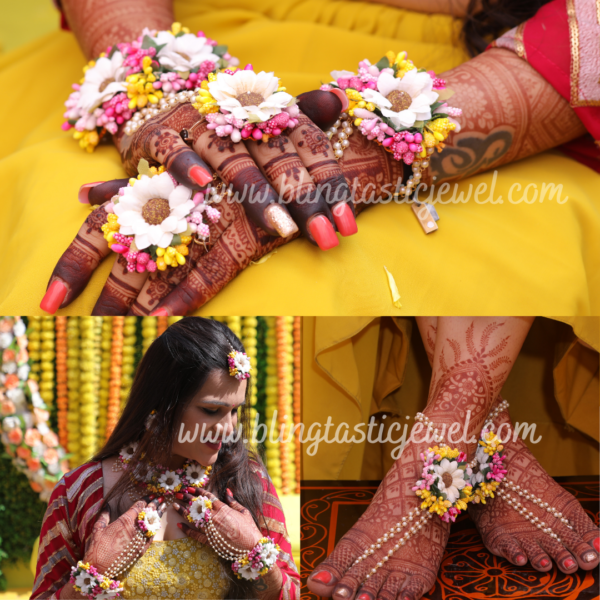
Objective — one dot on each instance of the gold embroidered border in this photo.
(519, 45)
(574, 39)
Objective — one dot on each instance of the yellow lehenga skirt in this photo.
(541, 258)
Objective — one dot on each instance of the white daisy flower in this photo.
(128, 451)
(247, 572)
(102, 81)
(242, 362)
(403, 100)
(249, 96)
(195, 473)
(450, 480)
(185, 52)
(86, 582)
(269, 552)
(198, 508)
(153, 210)
(169, 480)
(151, 520)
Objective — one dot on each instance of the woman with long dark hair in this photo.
(175, 505)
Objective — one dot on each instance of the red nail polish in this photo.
(230, 492)
(191, 490)
(364, 596)
(152, 496)
(344, 219)
(179, 525)
(569, 563)
(84, 191)
(159, 312)
(160, 500)
(179, 496)
(520, 559)
(322, 231)
(53, 297)
(597, 544)
(201, 176)
(322, 576)
(544, 562)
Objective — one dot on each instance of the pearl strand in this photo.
(345, 124)
(128, 555)
(221, 546)
(167, 102)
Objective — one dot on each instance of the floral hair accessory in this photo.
(399, 106)
(132, 82)
(148, 521)
(154, 219)
(200, 512)
(242, 104)
(87, 581)
(239, 365)
(258, 561)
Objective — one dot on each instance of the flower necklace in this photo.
(162, 480)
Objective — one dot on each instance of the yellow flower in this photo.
(177, 28)
(140, 90)
(88, 140)
(205, 102)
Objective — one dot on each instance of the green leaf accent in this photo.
(383, 63)
(220, 50)
(112, 51)
(147, 42)
(176, 240)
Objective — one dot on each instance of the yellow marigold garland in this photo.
(106, 345)
(128, 368)
(62, 399)
(272, 454)
(297, 396)
(88, 399)
(73, 384)
(149, 332)
(35, 346)
(114, 387)
(47, 357)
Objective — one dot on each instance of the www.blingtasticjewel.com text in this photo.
(371, 432)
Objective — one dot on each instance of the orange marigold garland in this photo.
(62, 399)
(161, 325)
(114, 388)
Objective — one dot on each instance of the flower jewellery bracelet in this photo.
(402, 108)
(454, 485)
(87, 581)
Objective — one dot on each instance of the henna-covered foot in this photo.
(507, 532)
(411, 570)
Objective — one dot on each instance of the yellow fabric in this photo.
(485, 259)
(356, 367)
(176, 566)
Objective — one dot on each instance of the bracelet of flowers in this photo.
(200, 512)
(258, 561)
(131, 82)
(399, 106)
(148, 521)
(245, 105)
(25, 432)
(491, 470)
(153, 220)
(87, 581)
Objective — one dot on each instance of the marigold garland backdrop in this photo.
(65, 380)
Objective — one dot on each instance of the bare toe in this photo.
(564, 560)
(537, 556)
(391, 587)
(413, 588)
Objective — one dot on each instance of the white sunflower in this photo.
(242, 362)
(151, 520)
(169, 480)
(403, 100)
(195, 473)
(249, 96)
(199, 507)
(450, 479)
(102, 81)
(86, 582)
(185, 52)
(153, 210)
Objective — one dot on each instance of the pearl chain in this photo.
(167, 102)
(221, 546)
(128, 555)
(345, 124)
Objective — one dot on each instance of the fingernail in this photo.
(152, 496)
(179, 496)
(322, 231)
(342, 591)
(175, 505)
(230, 492)
(53, 297)
(364, 596)
(159, 312)
(344, 219)
(201, 176)
(589, 557)
(597, 544)
(161, 500)
(179, 525)
(569, 563)
(544, 562)
(84, 191)
(520, 559)
(322, 576)
(191, 490)
(342, 96)
(280, 220)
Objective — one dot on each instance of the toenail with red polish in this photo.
(544, 562)
(597, 544)
(322, 576)
(520, 559)
(364, 596)
(569, 563)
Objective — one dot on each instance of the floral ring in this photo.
(245, 105)
(148, 521)
(199, 512)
